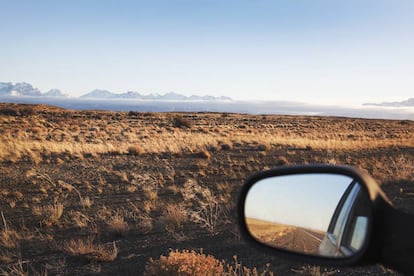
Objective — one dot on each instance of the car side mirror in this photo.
(314, 213)
(324, 214)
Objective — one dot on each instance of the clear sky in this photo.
(307, 200)
(312, 51)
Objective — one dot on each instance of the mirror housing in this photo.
(370, 250)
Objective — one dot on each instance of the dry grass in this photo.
(77, 138)
(188, 262)
(181, 122)
(9, 238)
(50, 214)
(145, 224)
(86, 248)
(173, 217)
(117, 225)
(151, 182)
(135, 150)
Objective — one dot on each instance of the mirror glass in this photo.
(314, 214)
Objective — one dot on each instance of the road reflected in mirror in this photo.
(314, 214)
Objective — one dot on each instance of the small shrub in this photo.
(117, 225)
(226, 147)
(49, 214)
(15, 269)
(27, 111)
(9, 238)
(37, 130)
(86, 248)
(204, 154)
(203, 207)
(135, 150)
(281, 161)
(9, 111)
(145, 224)
(181, 122)
(173, 217)
(188, 262)
(263, 147)
(184, 263)
(133, 113)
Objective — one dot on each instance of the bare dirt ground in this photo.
(85, 192)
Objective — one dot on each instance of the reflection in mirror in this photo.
(315, 214)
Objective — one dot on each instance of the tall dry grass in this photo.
(15, 150)
(83, 134)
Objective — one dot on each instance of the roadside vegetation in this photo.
(85, 192)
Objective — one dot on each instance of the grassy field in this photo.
(84, 192)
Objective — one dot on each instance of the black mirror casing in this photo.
(385, 229)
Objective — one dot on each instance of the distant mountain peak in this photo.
(18, 89)
(99, 94)
(26, 89)
(170, 96)
(54, 93)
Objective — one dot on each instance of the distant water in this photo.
(257, 107)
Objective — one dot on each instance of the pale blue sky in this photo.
(312, 51)
(307, 200)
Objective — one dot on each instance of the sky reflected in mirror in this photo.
(307, 200)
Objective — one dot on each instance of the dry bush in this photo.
(9, 238)
(49, 214)
(403, 167)
(188, 262)
(122, 175)
(226, 146)
(23, 268)
(135, 150)
(9, 111)
(145, 224)
(281, 161)
(202, 206)
(37, 130)
(204, 154)
(86, 248)
(131, 188)
(181, 122)
(173, 217)
(18, 269)
(117, 225)
(263, 147)
(150, 193)
(87, 202)
(27, 111)
(184, 263)
(60, 190)
(80, 220)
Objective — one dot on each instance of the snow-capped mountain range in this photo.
(26, 89)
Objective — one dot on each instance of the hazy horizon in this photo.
(242, 107)
(318, 52)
